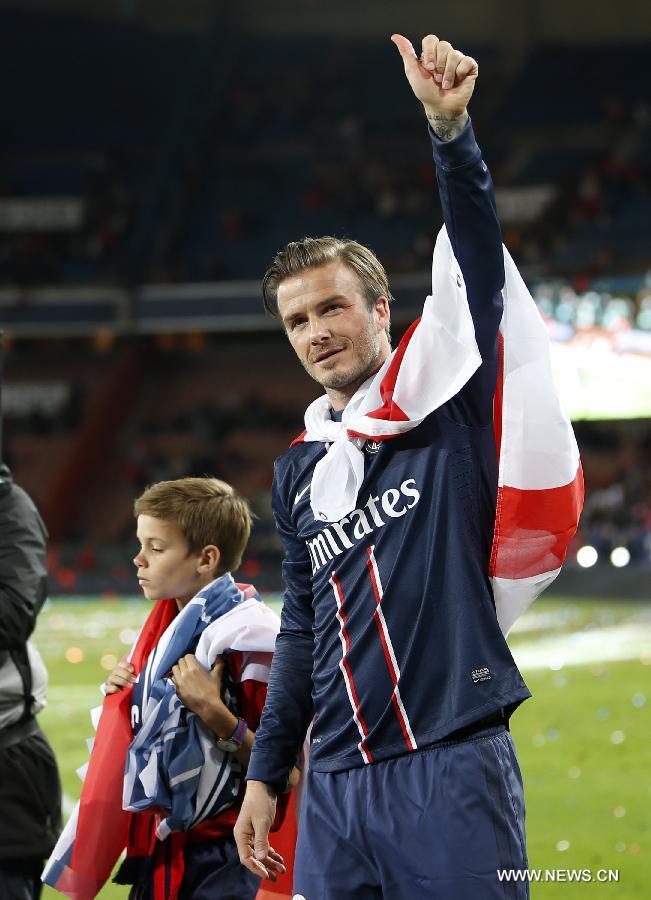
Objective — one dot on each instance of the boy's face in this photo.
(166, 568)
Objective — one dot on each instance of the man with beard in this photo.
(389, 640)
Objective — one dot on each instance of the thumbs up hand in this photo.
(442, 78)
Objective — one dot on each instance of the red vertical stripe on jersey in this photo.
(348, 675)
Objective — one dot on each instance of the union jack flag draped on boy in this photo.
(172, 763)
(540, 481)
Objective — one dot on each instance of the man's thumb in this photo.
(260, 849)
(405, 48)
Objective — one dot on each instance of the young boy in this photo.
(192, 533)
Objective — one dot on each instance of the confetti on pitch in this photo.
(94, 630)
(74, 654)
(563, 845)
(617, 737)
(128, 636)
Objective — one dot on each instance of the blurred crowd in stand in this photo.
(187, 416)
(201, 171)
(85, 255)
(617, 512)
(568, 309)
(179, 165)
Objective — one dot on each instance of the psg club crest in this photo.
(372, 446)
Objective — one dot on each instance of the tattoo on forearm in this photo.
(446, 127)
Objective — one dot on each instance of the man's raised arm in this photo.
(443, 79)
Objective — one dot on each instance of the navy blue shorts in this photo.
(437, 824)
(213, 871)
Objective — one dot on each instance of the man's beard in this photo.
(362, 367)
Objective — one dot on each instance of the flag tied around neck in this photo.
(540, 481)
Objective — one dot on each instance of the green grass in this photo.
(584, 740)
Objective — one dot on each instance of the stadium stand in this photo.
(188, 178)
(143, 164)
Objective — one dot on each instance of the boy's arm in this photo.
(252, 693)
(201, 692)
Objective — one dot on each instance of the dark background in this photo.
(155, 156)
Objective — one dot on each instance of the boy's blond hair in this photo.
(206, 511)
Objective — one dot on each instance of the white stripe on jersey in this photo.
(395, 674)
(350, 687)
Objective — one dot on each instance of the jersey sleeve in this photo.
(288, 709)
(470, 215)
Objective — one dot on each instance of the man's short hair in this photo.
(206, 511)
(310, 253)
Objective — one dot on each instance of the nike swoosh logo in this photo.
(300, 493)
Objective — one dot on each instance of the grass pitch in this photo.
(584, 740)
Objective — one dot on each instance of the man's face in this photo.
(339, 341)
(166, 568)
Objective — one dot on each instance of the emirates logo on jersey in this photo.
(358, 524)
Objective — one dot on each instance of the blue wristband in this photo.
(240, 732)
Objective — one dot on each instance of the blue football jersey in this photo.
(389, 640)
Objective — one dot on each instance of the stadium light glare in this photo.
(587, 556)
(620, 557)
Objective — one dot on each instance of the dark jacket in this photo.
(30, 792)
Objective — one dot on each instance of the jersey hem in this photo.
(424, 741)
